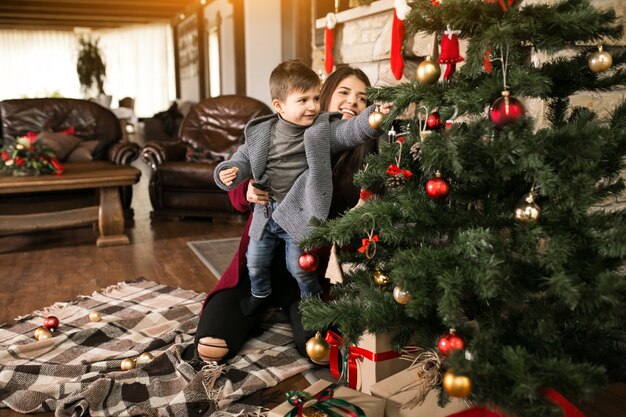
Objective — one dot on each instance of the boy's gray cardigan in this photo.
(311, 193)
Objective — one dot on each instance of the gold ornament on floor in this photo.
(401, 296)
(376, 119)
(43, 333)
(95, 316)
(457, 385)
(318, 350)
(380, 279)
(145, 357)
(600, 61)
(128, 364)
(38, 331)
(428, 71)
(528, 211)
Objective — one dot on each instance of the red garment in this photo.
(237, 266)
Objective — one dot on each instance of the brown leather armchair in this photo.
(182, 181)
(98, 132)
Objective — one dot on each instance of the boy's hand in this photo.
(257, 195)
(385, 108)
(227, 176)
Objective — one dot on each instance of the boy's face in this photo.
(299, 107)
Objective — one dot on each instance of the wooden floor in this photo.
(39, 269)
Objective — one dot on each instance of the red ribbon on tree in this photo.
(329, 42)
(395, 170)
(365, 242)
(503, 4)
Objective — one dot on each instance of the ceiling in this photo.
(67, 14)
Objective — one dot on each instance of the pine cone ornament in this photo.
(416, 151)
(395, 181)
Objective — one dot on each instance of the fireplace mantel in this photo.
(357, 12)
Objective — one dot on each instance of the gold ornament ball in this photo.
(528, 211)
(457, 385)
(128, 364)
(145, 357)
(43, 334)
(38, 331)
(318, 350)
(375, 119)
(401, 296)
(600, 61)
(381, 279)
(95, 316)
(428, 71)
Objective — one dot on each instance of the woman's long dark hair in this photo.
(346, 164)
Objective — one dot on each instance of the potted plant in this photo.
(90, 66)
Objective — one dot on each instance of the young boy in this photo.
(289, 154)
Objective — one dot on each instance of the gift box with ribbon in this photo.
(370, 361)
(400, 390)
(325, 398)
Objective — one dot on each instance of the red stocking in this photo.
(329, 41)
(397, 38)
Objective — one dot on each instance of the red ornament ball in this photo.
(449, 343)
(308, 261)
(505, 111)
(437, 188)
(51, 323)
(433, 122)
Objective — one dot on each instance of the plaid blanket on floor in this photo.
(77, 372)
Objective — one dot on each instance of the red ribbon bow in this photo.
(395, 170)
(366, 242)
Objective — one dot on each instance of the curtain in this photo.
(139, 63)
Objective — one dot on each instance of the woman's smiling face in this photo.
(349, 97)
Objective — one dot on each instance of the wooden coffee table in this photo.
(105, 177)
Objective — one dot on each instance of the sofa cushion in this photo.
(61, 143)
(203, 155)
(83, 152)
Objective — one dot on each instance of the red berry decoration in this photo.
(437, 188)
(506, 110)
(449, 343)
(308, 261)
(433, 122)
(51, 323)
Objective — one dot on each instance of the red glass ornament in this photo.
(308, 261)
(449, 343)
(437, 188)
(433, 122)
(51, 323)
(505, 110)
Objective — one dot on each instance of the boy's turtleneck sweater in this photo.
(286, 159)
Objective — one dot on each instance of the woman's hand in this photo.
(256, 195)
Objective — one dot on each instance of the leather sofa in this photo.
(96, 134)
(181, 182)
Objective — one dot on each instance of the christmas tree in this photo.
(497, 224)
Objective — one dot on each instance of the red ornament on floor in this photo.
(51, 323)
(505, 111)
(437, 188)
(308, 261)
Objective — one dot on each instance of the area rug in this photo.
(77, 372)
(216, 254)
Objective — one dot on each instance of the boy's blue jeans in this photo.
(259, 259)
